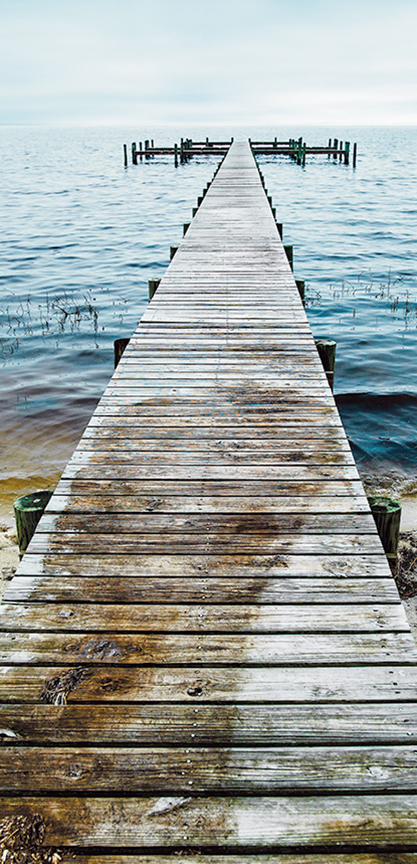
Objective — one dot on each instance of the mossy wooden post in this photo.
(280, 228)
(387, 515)
(347, 151)
(153, 284)
(330, 145)
(176, 155)
(355, 150)
(289, 251)
(125, 155)
(185, 228)
(327, 354)
(134, 154)
(27, 511)
(140, 150)
(335, 146)
(119, 347)
(172, 251)
(300, 283)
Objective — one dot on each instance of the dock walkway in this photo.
(204, 650)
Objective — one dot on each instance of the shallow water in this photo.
(82, 236)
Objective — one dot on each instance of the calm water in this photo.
(81, 236)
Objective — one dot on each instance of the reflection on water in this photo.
(82, 236)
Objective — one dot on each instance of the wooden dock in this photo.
(204, 651)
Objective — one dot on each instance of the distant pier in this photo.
(296, 149)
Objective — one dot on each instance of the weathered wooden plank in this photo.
(204, 650)
(179, 771)
(325, 858)
(216, 523)
(319, 396)
(232, 391)
(314, 684)
(94, 501)
(174, 589)
(225, 724)
(178, 618)
(247, 450)
(140, 360)
(295, 411)
(211, 544)
(83, 466)
(232, 566)
(251, 488)
(377, 821)
(193, 416)
(313, 382)
(110, 428)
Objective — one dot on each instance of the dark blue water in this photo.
(81, 236)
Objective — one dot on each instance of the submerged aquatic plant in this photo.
(59, 313)
(395, 296)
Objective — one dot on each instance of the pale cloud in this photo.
(227, 61)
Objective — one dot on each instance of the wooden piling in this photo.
(134, 154)
(335, 146)
(327, 354)
(28, 510)
(153, 284)
(280, 228)
(354, 156)
(185, 228)
(387, 515)
(289, 251)
(119, 346)
(300, 283)
(347, 150)
(172, 251)
(125, 155)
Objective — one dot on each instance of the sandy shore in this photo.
(9, 556)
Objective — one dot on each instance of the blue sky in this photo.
(208, 61)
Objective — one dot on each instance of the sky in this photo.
(313, 62)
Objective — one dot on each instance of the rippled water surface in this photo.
(81, 236)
